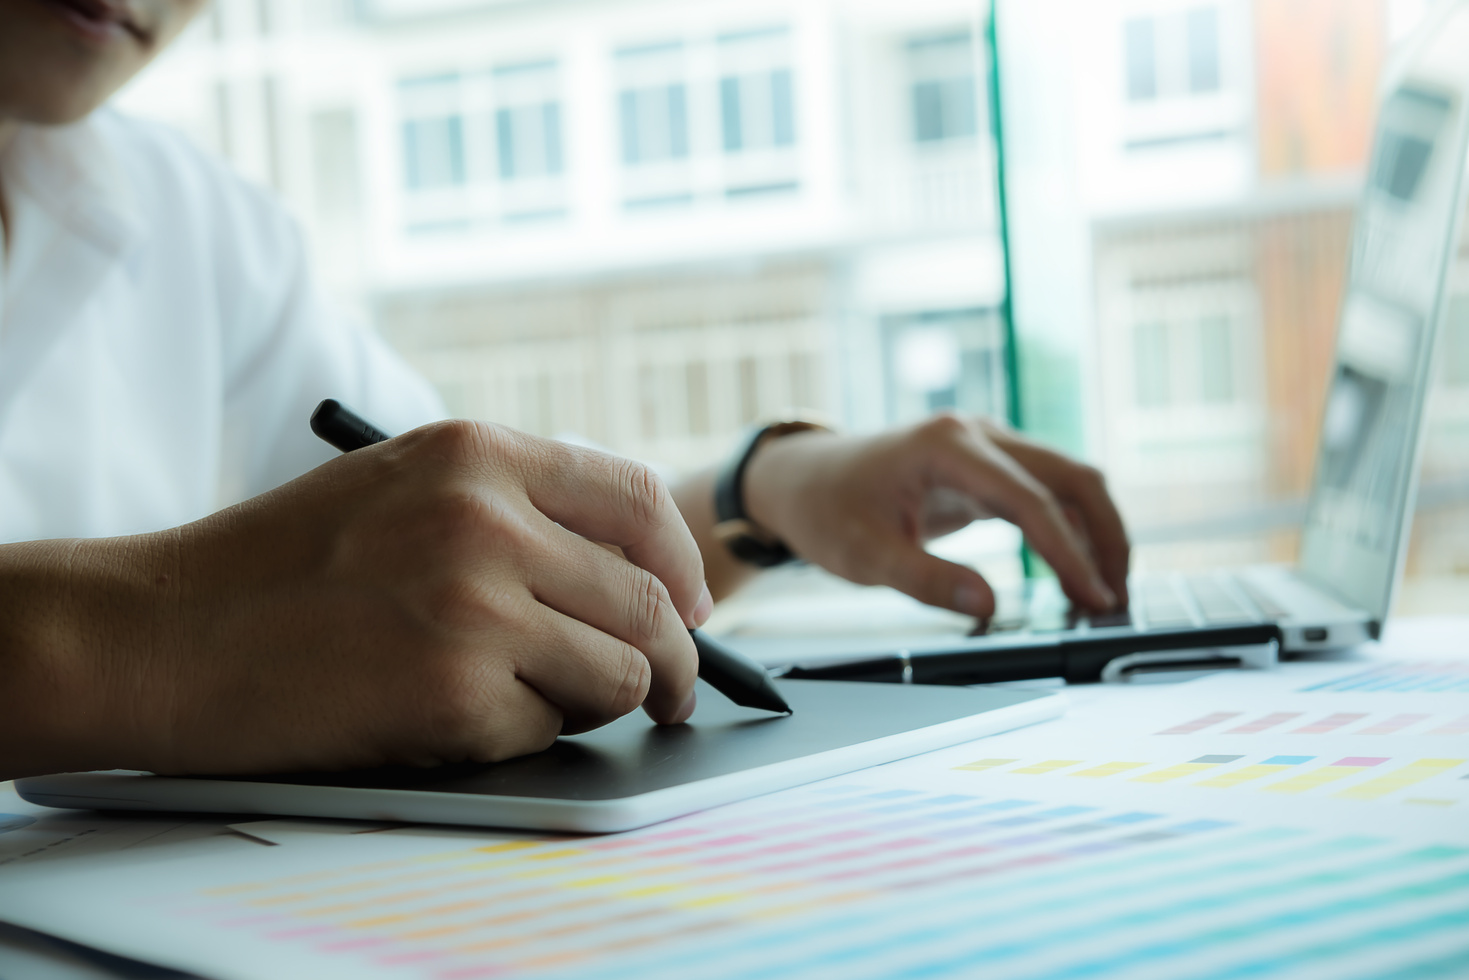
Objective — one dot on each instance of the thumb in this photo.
(905, 566)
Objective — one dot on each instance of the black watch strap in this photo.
(745, 539)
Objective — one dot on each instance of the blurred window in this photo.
(943, 89)
(755, 91)
(946, 360)
(1142, 59)
(433, 132)
(1185, 349)
(1151, 361)
(653, 100)
(528, 121)
(1173, 54)
(1203, 50)
(1216, 360)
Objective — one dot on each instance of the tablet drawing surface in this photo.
(622, 775)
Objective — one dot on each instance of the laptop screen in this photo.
(1405, 234)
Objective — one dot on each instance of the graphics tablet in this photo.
(627, 774)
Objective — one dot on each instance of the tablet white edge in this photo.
(133, 791)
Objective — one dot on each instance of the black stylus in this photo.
(730, 673)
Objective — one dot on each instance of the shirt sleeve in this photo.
(286, 350)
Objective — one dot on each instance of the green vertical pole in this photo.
(997, 132)
(1013, 404)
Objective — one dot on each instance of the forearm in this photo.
(77, 621)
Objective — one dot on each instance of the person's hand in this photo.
(863, 508)
(435, 598)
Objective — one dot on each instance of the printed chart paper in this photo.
(1230, 827)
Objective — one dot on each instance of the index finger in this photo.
(1085, 487)
(1002, 485)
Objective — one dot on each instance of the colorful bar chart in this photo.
(965, 885)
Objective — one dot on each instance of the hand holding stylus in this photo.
(727, 671)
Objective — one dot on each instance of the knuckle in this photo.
(635, 676)
(464, 521)
(947, 424)
(647, 495)
(457, 440)
(649, 607)
(1034, 505)
(461, 603)
(468, 444)
(461, 697)
(1091, 478)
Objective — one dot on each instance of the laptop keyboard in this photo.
(1162, 602)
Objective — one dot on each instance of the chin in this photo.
(62, 101)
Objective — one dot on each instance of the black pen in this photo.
(1076, 657)
(729, 672)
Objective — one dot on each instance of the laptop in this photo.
(1361, 504)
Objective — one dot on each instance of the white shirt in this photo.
(161, 346)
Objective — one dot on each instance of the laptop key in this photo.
(1268, 606)
(1217, 605)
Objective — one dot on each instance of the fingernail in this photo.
(703, 608)
(687, 710)
(969, 599)
(1108, 597)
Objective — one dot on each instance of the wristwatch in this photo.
(745, 539)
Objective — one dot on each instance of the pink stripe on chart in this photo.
(420, 957)
(1189, 727)
(837, 858)
(473, 972)
(670, 851)
(1330, 723)
(678, 834)
(1459, 726)
(786, 828)
(1362, 761)
(1262, 723)
(836, 837)
(877, 869)
(1394, 724)
(347, 945)
(731, 840)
